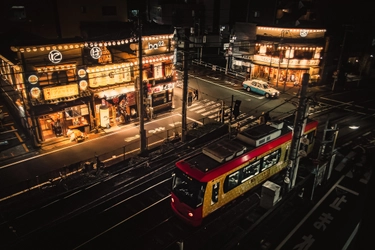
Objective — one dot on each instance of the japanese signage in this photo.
(55, 56)
(60, 91)
(95, 52)
(103, 76)
(158, 70)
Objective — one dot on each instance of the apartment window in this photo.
(18, 13)
(109, 10)
(257, 14)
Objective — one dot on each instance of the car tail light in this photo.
(172, 200)
(190, 214)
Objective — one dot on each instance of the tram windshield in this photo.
(187, 189)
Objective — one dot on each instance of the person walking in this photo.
(196, 94)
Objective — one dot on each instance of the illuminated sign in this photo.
(55, 56)
(35, 92)
(155, 45)
(103, 76)
(303, 33)
(95, 52)
(83, 85)
(81, 73)
(33, 79)
(60, 91)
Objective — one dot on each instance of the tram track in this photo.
(135, 200)
(114, 190)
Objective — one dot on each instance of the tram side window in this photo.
(271, 159)
(232, 181)
(215, 193)
(250, 170)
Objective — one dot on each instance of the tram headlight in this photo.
(190, 214)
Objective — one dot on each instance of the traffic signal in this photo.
(236, 109)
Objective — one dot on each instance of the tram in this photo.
(227, 169)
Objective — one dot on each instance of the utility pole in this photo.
(185, 83)
(298, 129)
(141, 108)
(338, 76)
(287, 68)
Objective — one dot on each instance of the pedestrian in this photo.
(196, 94)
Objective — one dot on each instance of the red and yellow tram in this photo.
(227, 169)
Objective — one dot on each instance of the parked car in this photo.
(261, 88)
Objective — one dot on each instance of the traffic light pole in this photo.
(141, 108)
(298, 129)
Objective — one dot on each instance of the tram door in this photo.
(215, 193)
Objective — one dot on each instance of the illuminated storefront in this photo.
(85, 85)
(283, 55)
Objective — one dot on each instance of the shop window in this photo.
(158, 70)
(59, 77)
(17, 13)
(56, 77)
(303, 54)
(168, 69)
(148, 72)
(76, 112)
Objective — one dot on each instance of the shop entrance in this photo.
(51, 125)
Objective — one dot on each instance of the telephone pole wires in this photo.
(141, 108)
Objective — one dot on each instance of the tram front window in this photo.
(188, 190)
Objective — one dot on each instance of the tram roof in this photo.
(205, 168)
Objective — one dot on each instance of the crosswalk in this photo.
(212, 110)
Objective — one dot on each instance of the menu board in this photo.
(51, 93)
